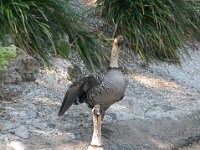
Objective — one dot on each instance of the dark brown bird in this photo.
(98, 91)
(103, 90)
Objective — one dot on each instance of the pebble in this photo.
(16, 145)
(71, 135)
(51, 80)
(113, 116)
(32, 107)
(168, 108)
(32, 114)
(54, 115)
(8, 125)
(22, 132)
(39, 125)
(51, 126)
(21, 114)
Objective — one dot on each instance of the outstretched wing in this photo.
(78, 89)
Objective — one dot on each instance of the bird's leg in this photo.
(97, 115)
(96, 142)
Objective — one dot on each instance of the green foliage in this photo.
(38, 26)
(154, 28)
(6, 53)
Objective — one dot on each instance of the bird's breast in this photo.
(110, 91)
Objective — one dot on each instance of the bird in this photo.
(99, 91)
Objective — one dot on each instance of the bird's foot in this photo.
(97, 110)
(94, 147)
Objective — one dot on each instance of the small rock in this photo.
(8, 126)
(85, 114)
(54, 115)
(50, 79)
(112, 115)
(32, 114)
(22, 132)
(71, 135)
(32, 107)
(29, 122)
(168, 108)
(51, 126)
(21, 114)
(3, 137)
(16, 145)
(60, 139)
(22, 67)
(39, 125)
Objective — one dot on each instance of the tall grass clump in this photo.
(40, 28)
(154, 28)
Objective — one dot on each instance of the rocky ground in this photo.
(160, 111)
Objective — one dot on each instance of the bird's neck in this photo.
(114, 56)
(96, 138)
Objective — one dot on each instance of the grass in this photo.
(154, 28)
(40, 28)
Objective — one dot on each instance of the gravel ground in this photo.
(161, 104)
(160, 110)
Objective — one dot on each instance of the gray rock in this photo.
(51, 126)
(112, 115)
(8, 125)
(22, 132)
(20, 114)
(50, 79)
(168, 108)
(71, 135)
(27, 66)
(32, 114)
(24, 114)
(16, 145)
(32, 107)
(54, 115)
(39, 125)
(21, 68)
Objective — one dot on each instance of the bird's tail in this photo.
(70, 97)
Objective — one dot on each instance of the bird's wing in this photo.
(77, 89)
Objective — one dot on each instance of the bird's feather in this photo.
(77, 90)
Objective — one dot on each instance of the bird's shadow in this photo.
(106, 132)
